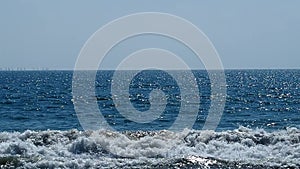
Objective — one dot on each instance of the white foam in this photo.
(77, 149)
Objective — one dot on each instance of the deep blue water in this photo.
(41, 100)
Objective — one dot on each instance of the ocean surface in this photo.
(259, 128)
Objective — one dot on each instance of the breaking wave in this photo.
(240, 148)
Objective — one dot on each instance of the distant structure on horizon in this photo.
(23, 69)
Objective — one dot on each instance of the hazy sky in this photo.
(246, 34)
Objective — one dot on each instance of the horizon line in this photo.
(46, 69)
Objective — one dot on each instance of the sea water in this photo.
(259, 127)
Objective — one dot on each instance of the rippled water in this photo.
(42, 100)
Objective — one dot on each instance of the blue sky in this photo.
(246, 34)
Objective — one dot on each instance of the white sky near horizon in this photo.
(247, 34)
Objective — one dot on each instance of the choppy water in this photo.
(240, 148)
(259, 127)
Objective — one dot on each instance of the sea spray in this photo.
(243, 147)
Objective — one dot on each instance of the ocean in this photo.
(259, 127)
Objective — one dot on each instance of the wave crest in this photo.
(151, 149)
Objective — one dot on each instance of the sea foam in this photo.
(243, 147)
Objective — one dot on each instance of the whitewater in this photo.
(240, 148)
